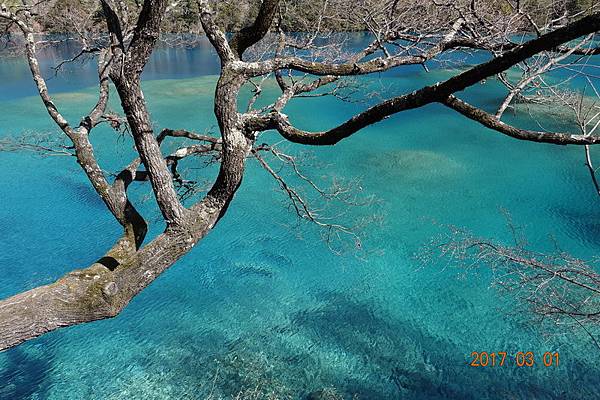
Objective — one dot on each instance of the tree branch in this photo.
(492, 122)
(252, 34)
(430, 94)
(216, 37)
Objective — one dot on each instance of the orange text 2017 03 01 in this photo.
(520, 359)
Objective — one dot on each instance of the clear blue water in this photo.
(262, 304)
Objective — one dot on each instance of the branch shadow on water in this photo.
(24, 371)
(393, 358)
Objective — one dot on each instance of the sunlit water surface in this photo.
(264, 305)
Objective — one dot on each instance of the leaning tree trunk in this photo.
(106, 287)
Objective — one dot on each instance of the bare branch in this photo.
(248, 36)
(555, 287)
(492, 122)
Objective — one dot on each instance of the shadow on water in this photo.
(579, 224)
(396, 359)
(363, 352)
(24, 371)
(81, 190)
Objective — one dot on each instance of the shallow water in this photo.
(263, 304)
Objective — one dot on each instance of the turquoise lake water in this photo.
(262, 304)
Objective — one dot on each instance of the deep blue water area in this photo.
(263, 303)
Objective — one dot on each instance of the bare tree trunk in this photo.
(134, 106)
